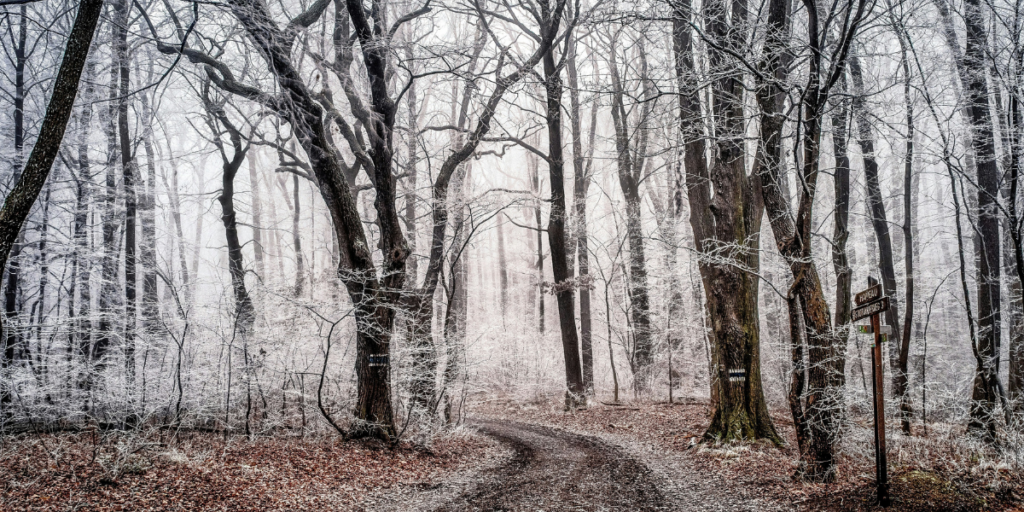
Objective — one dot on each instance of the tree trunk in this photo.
(986, 385)
(82, 267)
(300, 268)
(147, 244)
(219, 122)
(575, 395)
(502, 267)
(257, 218)
(725, 225)
(909, 246)
(532, 167)
(581, 184)
(841, 230)
(122, 9)
(823, 406)
(1015, 382)
(12, 337)
(631, 162)
(886, 265)
(109, 293)
(19, 201)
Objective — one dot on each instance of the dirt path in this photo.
(556, 470)
(553, 470)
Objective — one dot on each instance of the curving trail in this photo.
(554, 470)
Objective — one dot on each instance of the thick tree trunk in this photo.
(986, 382)
(575, 395)
(726, 224)
(19, 201)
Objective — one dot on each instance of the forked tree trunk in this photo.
(823, 407)
(631, 146)
(218, 122)
(726, 226)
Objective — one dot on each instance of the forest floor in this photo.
(513, 455)
(202, 472)
(693, 475)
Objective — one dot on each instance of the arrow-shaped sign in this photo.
(872, 308)
(870, 295)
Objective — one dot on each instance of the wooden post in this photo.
(878, 390)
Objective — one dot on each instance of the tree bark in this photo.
(909, 246)
(217, 119)
(575, 395)
(581, 184)
(257, 218)
(13, 338)
(725, 215)
(300, 267)
(109, 293)
(532, 168)
(823, 407)
(122, 10)
(19, 201)
(841, 229)
(897, 355)
(986, 383)
(147, 244)
(630, 167)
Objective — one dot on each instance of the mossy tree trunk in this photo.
(725, 215)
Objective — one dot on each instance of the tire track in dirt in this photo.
(553, 470)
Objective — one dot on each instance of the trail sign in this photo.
(872, 304)
(871, 308)
(870, 295)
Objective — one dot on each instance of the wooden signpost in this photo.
(872, 303)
